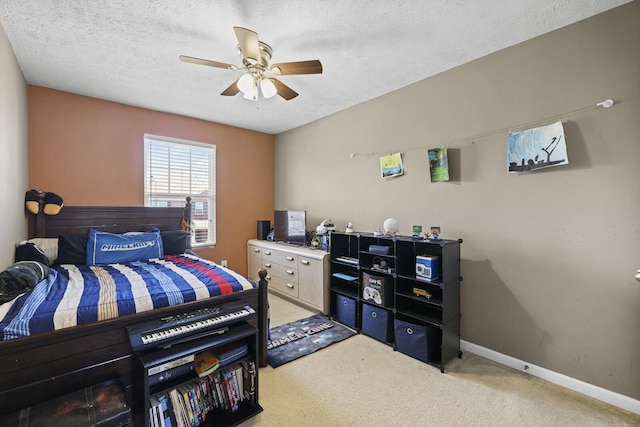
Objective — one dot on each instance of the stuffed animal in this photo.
(52, 204)
(32, 201)
(51, 201)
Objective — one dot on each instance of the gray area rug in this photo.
(297, 339)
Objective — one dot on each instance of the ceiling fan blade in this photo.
(207, 62)
(248, 43)
(283, 90)
(298, 67)
(231, 90)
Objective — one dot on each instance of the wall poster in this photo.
(439, 164)
(537, 148)
(391, 165)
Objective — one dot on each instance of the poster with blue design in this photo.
(537, 148)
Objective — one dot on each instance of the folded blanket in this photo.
(21, 277)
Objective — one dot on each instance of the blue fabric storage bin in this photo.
(421, 342)
(376, 322)
(346, 310)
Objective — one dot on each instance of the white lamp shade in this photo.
(390, 225)
(252, 94)
(267, 88)
(246, 83)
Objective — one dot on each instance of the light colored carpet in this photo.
(363, 382)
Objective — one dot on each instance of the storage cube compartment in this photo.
(420, 341)
(377, 289)
(102, 404)
(346, 310)
(427, 267)
(377, 323)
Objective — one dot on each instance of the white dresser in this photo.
(297, 273)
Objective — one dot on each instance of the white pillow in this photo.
(48, 245)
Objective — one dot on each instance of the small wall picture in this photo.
(537, 148)
(391, 165)
(439, 164)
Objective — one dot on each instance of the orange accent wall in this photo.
(90, 152)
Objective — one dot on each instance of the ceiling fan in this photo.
(259, 74)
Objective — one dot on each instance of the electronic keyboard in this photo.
(191, 325)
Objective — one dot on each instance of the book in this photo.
(237, 375)
(178, 408)
(348, 260)
(249, 383)
(214, 394)
(222, 395)
(232, 351)
(164, 410)
(226, 378)
(183, 390)
(347, 276)
(155, 415)
(205, 363)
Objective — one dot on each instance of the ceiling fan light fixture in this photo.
(246, 83)
(256, 56)
(252, 95)
(267, 88)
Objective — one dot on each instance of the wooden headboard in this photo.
(77, 220)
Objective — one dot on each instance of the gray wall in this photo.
(13, 152)
(549, 257)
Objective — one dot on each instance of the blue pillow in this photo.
(110, 248)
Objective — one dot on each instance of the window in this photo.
(175, 169)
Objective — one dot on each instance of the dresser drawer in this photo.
(279, 257)
(285, 272)
(282, 271)
(283, 285)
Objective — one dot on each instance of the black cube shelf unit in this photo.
(400, 290)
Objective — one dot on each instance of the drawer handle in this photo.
(344, 303)
(289, 285)
(256, 250)
(267, 252)
(374, 314)
(304, 261)
(410, 331)
(289, 258)
(290, 272)
(268, 265)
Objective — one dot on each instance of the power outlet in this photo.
(223, 263)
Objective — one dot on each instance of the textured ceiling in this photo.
(127, 51)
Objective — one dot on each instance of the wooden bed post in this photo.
(263, 317)
(36, 223)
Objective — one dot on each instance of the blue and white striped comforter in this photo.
(75, 294)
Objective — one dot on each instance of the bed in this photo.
(54, 357)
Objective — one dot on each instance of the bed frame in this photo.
(45, 365)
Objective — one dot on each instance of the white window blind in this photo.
(176, 169)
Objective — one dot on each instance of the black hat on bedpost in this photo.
(52, 204)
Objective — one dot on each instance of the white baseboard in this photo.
(616, 399)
